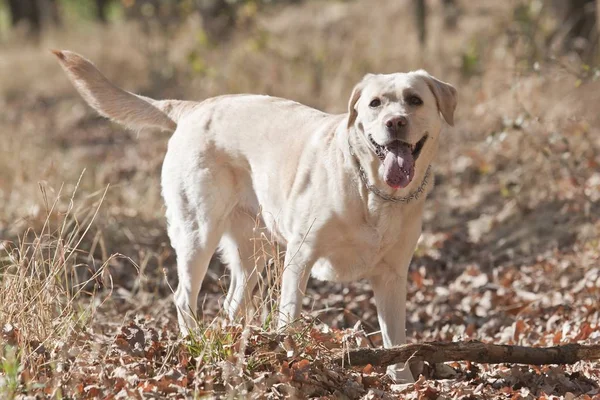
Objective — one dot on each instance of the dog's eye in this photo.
(415, 101)
(375, 103)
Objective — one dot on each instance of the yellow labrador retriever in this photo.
(343, 193)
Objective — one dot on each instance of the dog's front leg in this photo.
(389, 288)
(294, 279)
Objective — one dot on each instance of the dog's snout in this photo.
(396, 124)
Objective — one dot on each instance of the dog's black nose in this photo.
(396, 124)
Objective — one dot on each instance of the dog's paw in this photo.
(400, 375)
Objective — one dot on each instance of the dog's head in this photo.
(398, 118)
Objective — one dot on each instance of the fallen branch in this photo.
(437, 352)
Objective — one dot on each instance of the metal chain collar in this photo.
(371, 188)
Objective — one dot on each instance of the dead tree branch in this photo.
(437, 352)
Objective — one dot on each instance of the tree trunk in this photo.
(451, 12)
(49, 12)
(101, 10)
(218, 17)
(421, 20)
(25, 11)
(598, 17)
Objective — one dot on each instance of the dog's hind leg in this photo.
(193, 258)
(195, 243)
(197, 214)
(240, 251)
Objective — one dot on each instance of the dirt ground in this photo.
(510, 252)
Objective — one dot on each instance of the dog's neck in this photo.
(367, 166)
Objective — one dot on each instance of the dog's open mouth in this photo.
(398, 160)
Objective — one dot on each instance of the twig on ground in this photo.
(437, 352)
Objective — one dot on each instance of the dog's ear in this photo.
(356, 93)
(445, 96)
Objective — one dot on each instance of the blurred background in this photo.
(517, 178)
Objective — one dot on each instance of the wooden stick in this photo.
(437, 352)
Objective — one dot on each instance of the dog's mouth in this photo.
(398, 160)
(415, 149)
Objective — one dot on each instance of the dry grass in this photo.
(48, 291)
(509, 252)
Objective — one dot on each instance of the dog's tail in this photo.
(129, 109)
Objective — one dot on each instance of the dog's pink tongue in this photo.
(398, 166)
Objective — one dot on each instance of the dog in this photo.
(344, 194)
